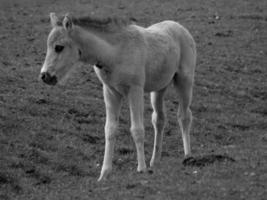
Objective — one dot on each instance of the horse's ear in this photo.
(54, 19)
(67, 22)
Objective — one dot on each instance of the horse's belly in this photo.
(160, 70)
(156, 85)
(158, 79)
(162, 61)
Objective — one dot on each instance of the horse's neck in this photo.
(94, 48)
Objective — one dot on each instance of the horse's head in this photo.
(62, 53)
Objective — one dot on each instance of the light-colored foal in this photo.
(129, 60)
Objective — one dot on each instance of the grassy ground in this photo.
(52, 141)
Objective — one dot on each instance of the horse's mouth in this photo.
(53, 81)
(48, 79)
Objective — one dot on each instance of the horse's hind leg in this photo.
(184, 87)
(158, 121)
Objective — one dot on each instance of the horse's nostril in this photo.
(43, 75)
(48, 79)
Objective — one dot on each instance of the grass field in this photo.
(52, 140)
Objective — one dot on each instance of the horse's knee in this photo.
(110, 131)
(185, 116)
(138, 134)
(158, 118)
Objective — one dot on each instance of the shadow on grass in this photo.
(8, 179)
(204, 160)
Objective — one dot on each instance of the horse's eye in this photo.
(59, 48)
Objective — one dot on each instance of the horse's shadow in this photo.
(204, 160)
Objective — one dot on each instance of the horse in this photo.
(129, 60)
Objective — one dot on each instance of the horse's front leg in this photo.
(136, 103)
(113, 104)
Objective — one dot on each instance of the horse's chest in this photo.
(110, 79)
(103, 74)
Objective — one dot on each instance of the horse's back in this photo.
(164, 26)
(165, 46)
(181, 37)
(168, 27)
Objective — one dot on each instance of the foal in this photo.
(129, 60)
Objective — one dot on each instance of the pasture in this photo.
(52, 138)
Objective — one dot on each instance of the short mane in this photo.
(110, 24)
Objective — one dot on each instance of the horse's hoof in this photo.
(101, 179)
(143, 170)
(150, 171)
(154, 163)
(104, 175)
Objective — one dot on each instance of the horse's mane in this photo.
(109, 24)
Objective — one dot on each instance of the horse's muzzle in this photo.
(48, 79)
